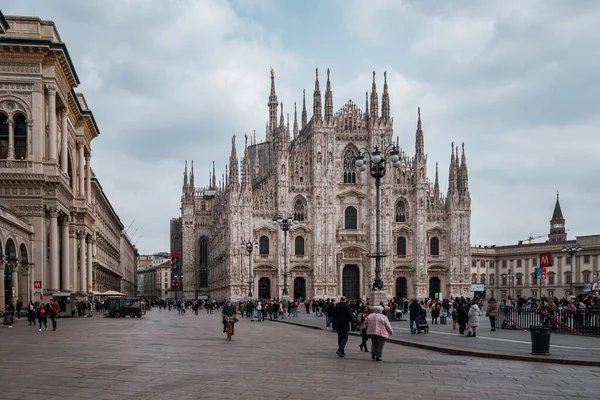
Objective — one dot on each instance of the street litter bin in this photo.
(540, 339)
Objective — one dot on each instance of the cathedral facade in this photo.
(307, 171)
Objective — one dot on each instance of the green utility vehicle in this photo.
(122, 307)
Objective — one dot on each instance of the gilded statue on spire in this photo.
(272, 72)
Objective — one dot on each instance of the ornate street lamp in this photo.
(249, 246)
(285, 222)
(571, 249)
(378, 164)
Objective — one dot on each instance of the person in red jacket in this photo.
(54, 310)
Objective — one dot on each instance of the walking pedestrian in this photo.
(341, 319)
(414, 311)
(379, 329)
(474, 313)
(492, 313)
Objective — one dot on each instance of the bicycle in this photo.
(229, 329)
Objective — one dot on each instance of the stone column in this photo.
(80, 149)
(82, 266)
(88, 177)
(11, 139)
(73, 259)
(52, 121)
(65, 285)
(15, 281)
(64, 141)
(90, 275)
(2, 299)
(54, 264)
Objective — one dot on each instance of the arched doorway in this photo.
(401, 288)
(300, 288)
(264, 288)
(351, 282)
(435, 286)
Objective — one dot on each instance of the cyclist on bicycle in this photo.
(228, 311)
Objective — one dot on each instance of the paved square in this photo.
(167, 356)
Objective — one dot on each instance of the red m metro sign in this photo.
(37, 284)
(545, 260)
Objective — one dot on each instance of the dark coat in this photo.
(415, 309)
(462, 315)
(342, 317)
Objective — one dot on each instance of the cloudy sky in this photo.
(170, 80)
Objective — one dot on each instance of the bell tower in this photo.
(558, 234)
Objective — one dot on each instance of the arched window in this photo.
(263, 245)
(349, 167)
(350, 218)
(401, 246)
(401, 211)
(203, 206)
(482, 279)
(300, 209)
(299, 246)
(20, 138)
(474, 278)
(203, 262)
(492, 279)
(3, 137)
(434, 247)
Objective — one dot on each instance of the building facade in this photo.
(156, 282)
(46, 179)
(308, 171)
(510, 270)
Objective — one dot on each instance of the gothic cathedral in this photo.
(308, 172)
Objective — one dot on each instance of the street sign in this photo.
(540, 273)
(37, 284)
(545, 260)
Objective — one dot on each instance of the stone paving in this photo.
(167, 356)
(502, 341)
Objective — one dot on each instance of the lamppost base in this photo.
(377, 296)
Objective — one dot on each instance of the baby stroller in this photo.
(422, 321)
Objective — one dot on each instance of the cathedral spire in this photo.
(214, 178)
(317, 117)
(459, 179)
(272, 108)
(192, 184)
(226, 181)
(436, 186)
(185, 175)
(304, 116)
(419, 140)
(385, 100)
(295, 121)
(234, 165)
(374, 102)
(452, 174)
(464, 172)
(246, 179)
(328, 100)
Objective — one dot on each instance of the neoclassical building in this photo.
(64, 236)
(307, 170)
(509, 270)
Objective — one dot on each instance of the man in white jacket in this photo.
(474, 314)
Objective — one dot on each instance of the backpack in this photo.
(43, 311)
(438, 307)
